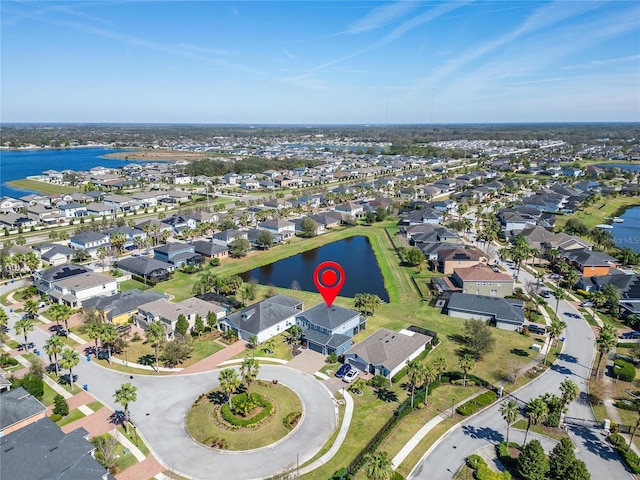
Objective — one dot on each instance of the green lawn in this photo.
(95, 406)
(555, 433)
(135, 439)
(131, 285)
(200, 426)
(63, 374)
(49, 393)
(42, 187)
(603, 208)
(74, 415)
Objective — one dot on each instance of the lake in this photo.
(18, 164)
(354, 254)
(627, 234)
(621, 166)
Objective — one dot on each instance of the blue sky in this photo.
(320, 61)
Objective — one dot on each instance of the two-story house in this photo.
(330, 329)
(177, 254)
(481, 280)
(280, 229)
(89, 241)
(73, 284)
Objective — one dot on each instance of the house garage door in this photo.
(359, 364)
(315, 347)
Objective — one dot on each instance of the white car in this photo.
(351, 375)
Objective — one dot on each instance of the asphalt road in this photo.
(488, 428)
(163, 402)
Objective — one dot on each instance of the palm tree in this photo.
(537, 412)
(124, 396)
(249, 371)
(440, 364)
(555, 330)
(509, 411)
(93, 331)
(598, 298)
(108, 334)
(378, 466)
(54, 347)
(572, 278)
(606, 340)
(633, 434)
(612, 294)
(229, 382)
(374, 302)
(155, 334)
(60, 312)
(70, 358)
(24, 326)
(466, 363)
(569, 390)
(415, 374)
(560, 295)
(31, 307)
(429, 374)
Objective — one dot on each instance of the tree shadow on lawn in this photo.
(519, 352)
(386, 395)
(457, 338)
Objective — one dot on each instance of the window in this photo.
(494, 292)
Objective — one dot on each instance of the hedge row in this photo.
(403, 372)
(475, 404)
(628, 455)
(236, 421)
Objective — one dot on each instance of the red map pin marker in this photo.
(329, 278)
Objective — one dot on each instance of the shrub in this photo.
(624, 370)
(630, 457)
(236, 421)
(291, 420)
(475, 404)
(339, 474)
(626, 405)
(55, 417)
(475, 461)
(216, 442)
(61, 406)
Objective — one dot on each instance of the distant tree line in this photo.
(211, 167)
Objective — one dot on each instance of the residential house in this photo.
(226, 237)
(326, 220)
(46, 215)
(506, 314)
(210, 250)
(54, 254)
(73, 210)
(17, 410)
(179, 223)
(590, 263)
(280, 229)
(43, 450)
(264, 319)
(318, 228)
(130, 234)
(148, 268)
(452, 258)
(481, 280)
(102, 210)
(10, 205)
(330, 329)
(385, 352)
(421, 216)
(121, 307)
(122, 203)
(250, 184)
(18, 220)
(71, 284)
(149, 199)
(89, 241)
(349, 211)
(177, 254)
(175, 196)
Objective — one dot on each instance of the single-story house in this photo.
(119, 308)
(507, 314)
(147, 268)
(385, 352)
(210, 249)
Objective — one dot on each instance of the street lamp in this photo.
(125, 358)
(453, 400)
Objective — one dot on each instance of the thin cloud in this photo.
(601, 63)
(380, 16)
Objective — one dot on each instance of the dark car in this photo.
(630, 335)
(103, 355)
(343, 370)
(536, 329)
(62, 332)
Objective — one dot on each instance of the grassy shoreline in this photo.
(41, 187)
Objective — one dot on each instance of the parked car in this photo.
(630, 335)
(587, 303)
(351, 375)
(545, 294)
(555, 276)
(571, 315)
(536, 329)
(343, 370)
(62, 332)
(102, 355)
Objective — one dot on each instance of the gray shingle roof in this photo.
(262, 315)
(17, 405)
(389, 349)
(122, 302)
(501, 309)
(328, 317)
(143, 265)
(43, 451)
